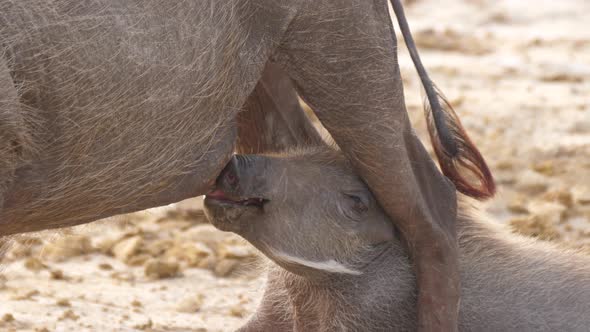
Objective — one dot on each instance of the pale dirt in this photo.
(518, 74)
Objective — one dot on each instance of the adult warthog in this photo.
(109, 107)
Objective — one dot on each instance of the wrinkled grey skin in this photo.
(311, 217)
(109, 107)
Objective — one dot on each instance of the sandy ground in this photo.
(517, 72)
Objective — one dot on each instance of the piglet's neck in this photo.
(383, 294)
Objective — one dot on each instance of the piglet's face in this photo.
(307, 210)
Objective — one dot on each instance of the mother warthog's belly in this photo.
(131, 104)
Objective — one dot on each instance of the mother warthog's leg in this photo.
(342, 56)
(272, 119)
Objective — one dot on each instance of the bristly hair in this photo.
(455, 152)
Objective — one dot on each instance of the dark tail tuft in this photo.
(458, 157)
(456, 153)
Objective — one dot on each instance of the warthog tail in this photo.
(459, 159)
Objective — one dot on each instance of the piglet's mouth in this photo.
(220, 196)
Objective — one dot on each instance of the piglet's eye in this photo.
(358, 205)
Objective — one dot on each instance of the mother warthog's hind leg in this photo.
(342, 57)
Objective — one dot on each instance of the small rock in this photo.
(235, 252)
(550, 211)
(518, 205)
(225, 266)
(138, 260)
(136, 303)
(546, 167)
(536, 227)
(498, 16)
(187, 217)
(204, 233)
(105, 266)
(19, 250)
(126, 248)
(564, 72)
(192, 253)
(505, 178)
(7, 318)
(144, 326)
(504, 165)
(34, 264)
(63, 302)
(237, 311)
(563, 197)
(191, 304)
(106, 245)
(532, 183)
(25, 295)
(57, 274)
(122, 276)
(174, 225)
(158, 247)
(67, 247)
(159, 269)
(450, 40)
(207, 263)
(68, 314)
(582, 195)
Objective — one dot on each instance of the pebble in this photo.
(551, 211)
(144, 326)
(105, 266)
(562, 196)
(24, 294)
(57, 274)
(191, 304)
(564, 72)
(138, 260)
(192, 253)
(535, 226)
(225, 266)
(235, 251)
(68, 314)
(531, 182)
(582, 195)
(7, 318)
(546, 167)
(34, 264)
(126, 248)
(450, 40)
(160, 269)
(63, 302)
(518, 205)
(67, 247)
(237, 311)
